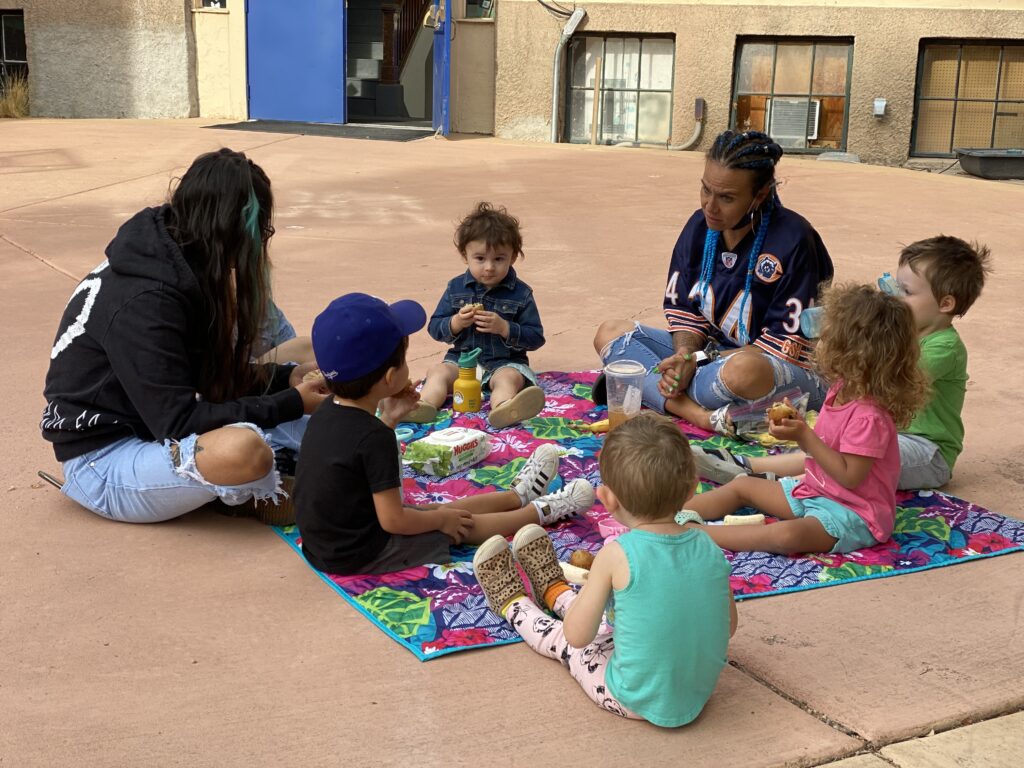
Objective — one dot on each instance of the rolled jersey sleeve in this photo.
(795, 291)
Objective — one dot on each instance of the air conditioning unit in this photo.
(792, 121)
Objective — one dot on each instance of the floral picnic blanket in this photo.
(434, 610)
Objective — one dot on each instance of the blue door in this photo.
(296, 60)
(442, 66)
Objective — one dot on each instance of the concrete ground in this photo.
(207, 642)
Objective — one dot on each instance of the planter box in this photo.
(992, 163)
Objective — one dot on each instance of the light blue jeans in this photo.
(137, 481)
(649, 346)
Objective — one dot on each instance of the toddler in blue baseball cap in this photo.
(348, 484)
(358, 333)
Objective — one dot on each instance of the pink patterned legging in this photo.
(587, 665)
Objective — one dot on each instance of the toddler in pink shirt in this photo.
(846, 498)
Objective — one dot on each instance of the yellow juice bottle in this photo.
(466, 395)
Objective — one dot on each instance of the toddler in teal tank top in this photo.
(674, 611)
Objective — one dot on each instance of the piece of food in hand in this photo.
(581, 558)
(780, 411)
(314, 375)
(744, 519)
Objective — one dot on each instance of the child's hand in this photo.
(491, 322)
(462, 319)
(393, 409)
(789, 429)
(457, 524)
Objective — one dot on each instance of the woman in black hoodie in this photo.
(152, 402)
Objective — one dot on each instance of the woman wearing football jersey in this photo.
(742, 271)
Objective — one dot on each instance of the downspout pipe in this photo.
(556, 86)
(698, 127)
(556, 80)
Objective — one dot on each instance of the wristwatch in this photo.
(704, 356)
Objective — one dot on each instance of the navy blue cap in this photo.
(357, 333)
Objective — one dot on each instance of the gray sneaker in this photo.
(576, 497)
(717, 464)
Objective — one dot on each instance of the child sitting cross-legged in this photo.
(674, 611)
(846, 497)
(348, 484)
(488, 307)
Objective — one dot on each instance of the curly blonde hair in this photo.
(869, 344)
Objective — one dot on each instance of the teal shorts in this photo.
(841, 523)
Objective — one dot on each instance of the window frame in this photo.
(814, 41)
(599, 89)
(960, 42)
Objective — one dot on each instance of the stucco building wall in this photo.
(885, 55)
(110, 58)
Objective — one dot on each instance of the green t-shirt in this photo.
(944, 359)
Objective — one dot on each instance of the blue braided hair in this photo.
(757, 153)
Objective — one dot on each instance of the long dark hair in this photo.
(220, 215)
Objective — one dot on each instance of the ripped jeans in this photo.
(138, 481)
(649, 346)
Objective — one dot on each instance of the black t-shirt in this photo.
(347, 455)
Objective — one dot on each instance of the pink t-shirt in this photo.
(862, 428)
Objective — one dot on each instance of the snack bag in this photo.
(447, 451)
(751, 421)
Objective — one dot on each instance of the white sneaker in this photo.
(576, 497)
(537, 473)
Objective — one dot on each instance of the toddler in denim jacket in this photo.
(489, 307)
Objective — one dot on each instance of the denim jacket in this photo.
(511, 298)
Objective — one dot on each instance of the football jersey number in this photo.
(671, 292)
(792, 325)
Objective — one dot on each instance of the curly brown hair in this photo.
(868, 342)
(647, 463)
(494, 225)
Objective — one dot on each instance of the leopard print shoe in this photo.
(497, 574)
(533, 549)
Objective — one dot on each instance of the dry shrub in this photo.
(14, 96)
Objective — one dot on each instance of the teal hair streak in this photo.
(251, 217)
(251, 223)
